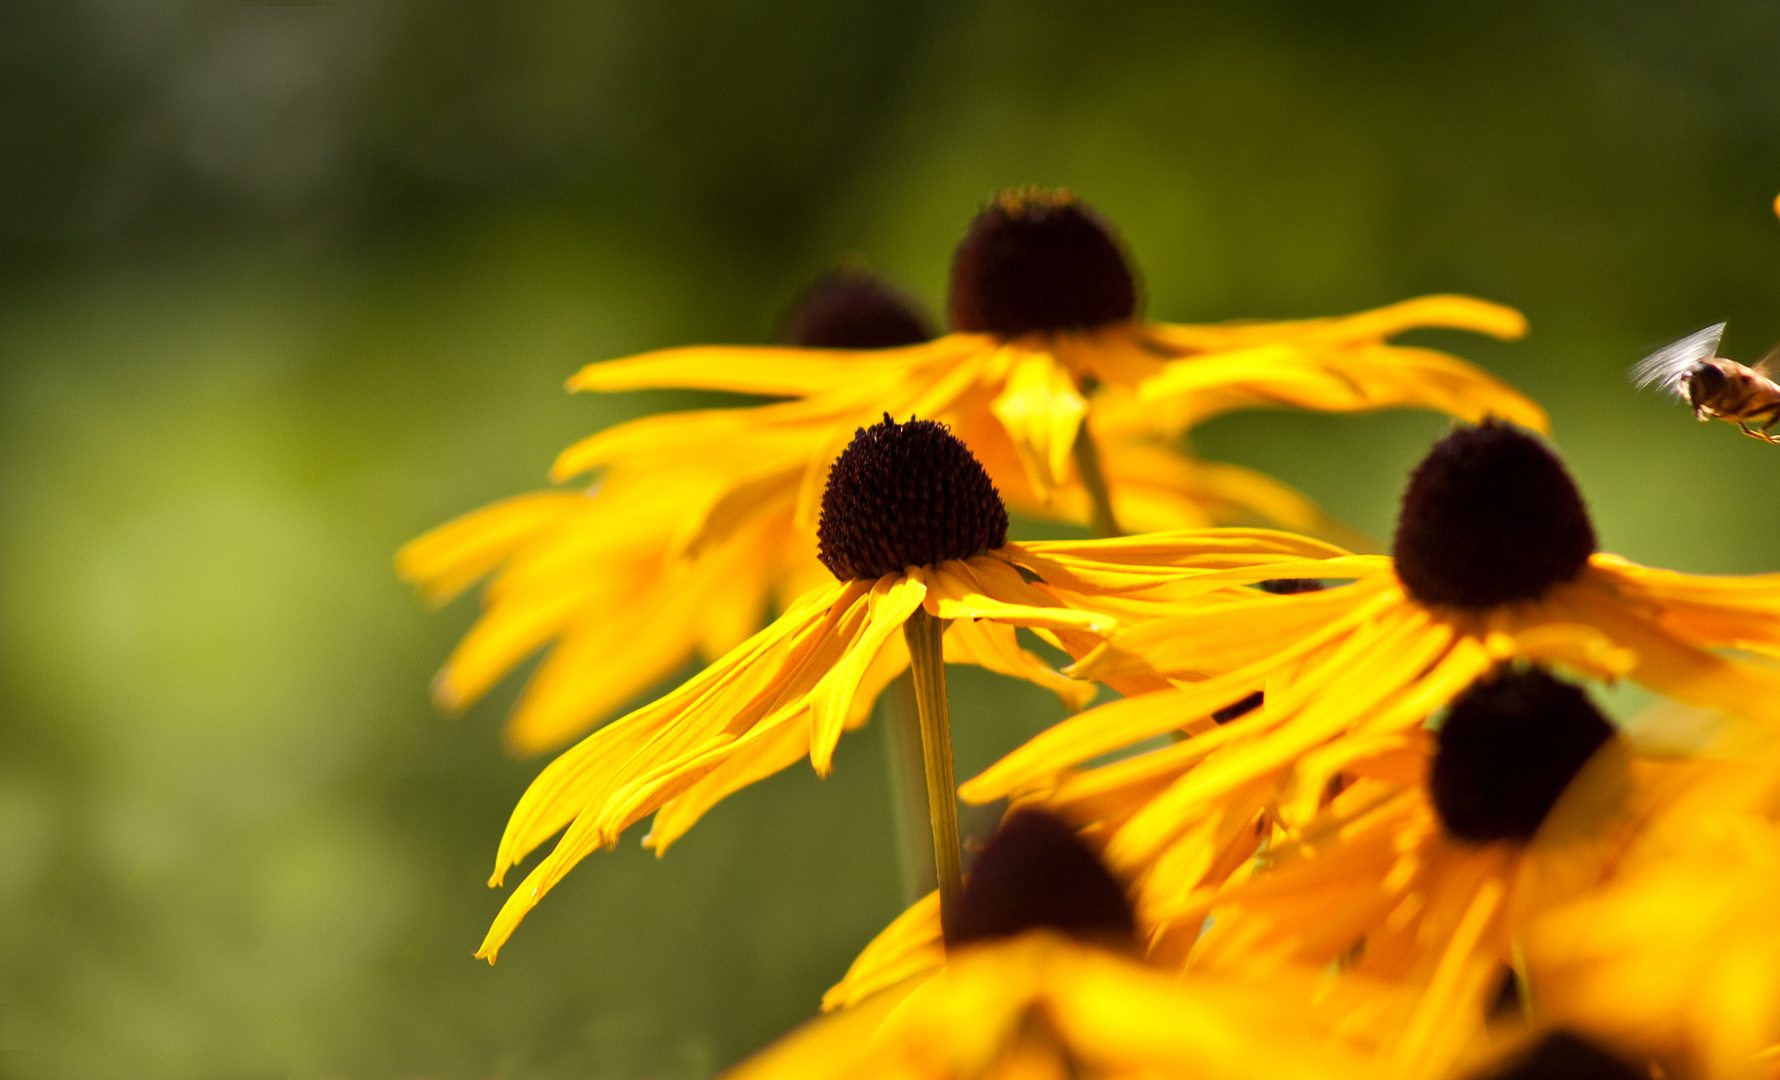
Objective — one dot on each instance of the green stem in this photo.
(928, 671)
(1087, 465)
(908, 788)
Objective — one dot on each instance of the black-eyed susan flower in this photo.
(1494, 560)
(1677, 957)
(1046, 338)
(687, 545)
(1041, 981)
(1527, 796)
(915, 536)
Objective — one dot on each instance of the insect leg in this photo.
(1762, 434)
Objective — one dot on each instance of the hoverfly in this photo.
(1718, 389)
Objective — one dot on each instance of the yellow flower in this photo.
(1039, 1006)
(1428, 884)
(910, 523)
(1494, 561)
(1043, 307)
(1040, 982)
(1678, 957)
(685, 544)
(1028, 885)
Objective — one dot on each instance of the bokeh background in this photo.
(280, 287)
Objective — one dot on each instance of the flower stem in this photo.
(928, 671)
(908, 788)
(1087, 464)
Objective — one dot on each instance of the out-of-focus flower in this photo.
(1678, 958)
(910, 523)
(1040, 982)
(1411, 877)
(1428, 886)
(1494, 561)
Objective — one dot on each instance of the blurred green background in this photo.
(284, 286)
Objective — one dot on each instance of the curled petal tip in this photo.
(1514, 325)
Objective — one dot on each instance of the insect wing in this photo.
(1666, 365)
(1768, 367)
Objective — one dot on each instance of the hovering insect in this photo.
(1718, 389)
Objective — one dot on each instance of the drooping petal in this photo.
(1237, 633)
(753, 670)
(1098, 731)
(974, 589)
(449, 559)
(1672, 666)
(1722, 612)
(1338, 365)
(1374, 663)
(1450, 312)
(911, 944)
(993, 647)
(889, 604)
(1041, 408)
(777, 371)
(1131, 563)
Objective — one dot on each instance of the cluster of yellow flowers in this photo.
(1344, 814)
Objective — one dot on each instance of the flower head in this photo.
(1418, 872)
(1677, 957)
(901, 491)
(1035, 873)
(690, 545)
(851, 308)
(1038, 976)
(1348, 672)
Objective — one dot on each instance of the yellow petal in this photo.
(1734, 612)
(741, 767)
(1370, 666)
(974, 590)
(910, 945)
(1671, 666)
(449, 559)
(569, 783)
(749, 369)
(889, 604)
(993, 646)
(599, 664)
(1042, 409)
(1102, 730)
(1451, 312)
(1261, 631)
